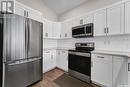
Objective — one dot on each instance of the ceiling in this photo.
(62, 6)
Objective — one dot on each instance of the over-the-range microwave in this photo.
(83, 31)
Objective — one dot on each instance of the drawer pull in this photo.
(100, 57)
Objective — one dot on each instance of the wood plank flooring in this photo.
(49, 77)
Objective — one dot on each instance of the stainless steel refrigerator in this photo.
(20, 51)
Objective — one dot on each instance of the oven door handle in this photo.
(80, 54)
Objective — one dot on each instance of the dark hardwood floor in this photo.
(49, 77)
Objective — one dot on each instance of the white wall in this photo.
(39, 5)
(86, 7)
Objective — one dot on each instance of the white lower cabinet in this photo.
(102, 70)
(62, 59)
(109, 70)
(49, 60)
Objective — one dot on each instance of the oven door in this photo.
(80, 63)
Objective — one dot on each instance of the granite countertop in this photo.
(118, 53)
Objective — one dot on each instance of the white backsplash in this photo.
(115, 43)
(49, 43)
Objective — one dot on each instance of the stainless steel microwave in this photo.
(83, 31)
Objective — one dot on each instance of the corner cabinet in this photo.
(49, 60)
(62, 59)
(109, 70)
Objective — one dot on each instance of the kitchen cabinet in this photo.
(100, 23)
(127, 17)
(102, 69)
(85, 19)
(109, 21)
(51, 30)
(49, 60)
(56, 30)
(109, 70)
(115, 19)
(47, 29)
(66, 30)
(120, 71)
(62, 59)
(89, 18)
(28, 12)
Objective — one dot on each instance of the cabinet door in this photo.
(88, 19)
(100, 23)
(64, 61)
(68, 30)
(63, 29)
(46, 61)
(19, 9)
(115, 19)
(58, 59)
(35, 15)
(102, 69)
(127, 17)
(56, 30)
(53, 59)
(120, 74)
(47, 29)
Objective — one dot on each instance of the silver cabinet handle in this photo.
(100, 57)
(81, 21)
(51, 56)
(24, 13)
(105, 30)
(66, 35)
(46, 34)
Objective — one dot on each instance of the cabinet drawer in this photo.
(101, 57)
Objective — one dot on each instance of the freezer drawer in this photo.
(24, 74)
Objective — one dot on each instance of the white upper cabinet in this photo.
(88, 19)
(28, 12)
(115, 19)
(127, 17)
(47, 29)
(66, 29)
(34, 14)
(56, 30)
(100, 23)
(19, 10)
(109, 21)
(85, 19)
(51, 30)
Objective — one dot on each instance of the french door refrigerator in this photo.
(20, 51)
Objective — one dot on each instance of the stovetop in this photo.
(83, 47)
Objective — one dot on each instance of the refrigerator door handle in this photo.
(28, 48)
(26, 35)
